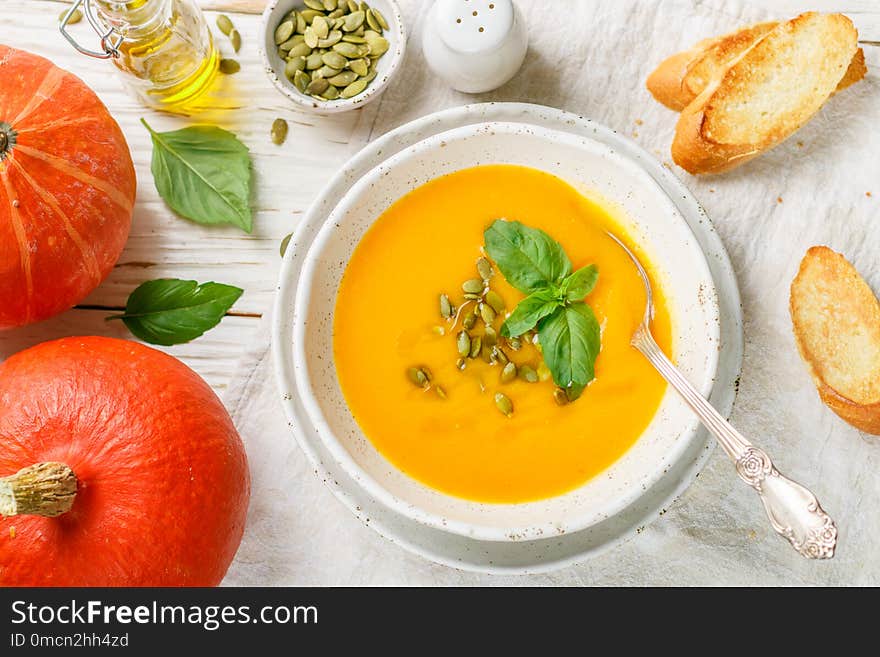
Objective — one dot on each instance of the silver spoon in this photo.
(793, 510)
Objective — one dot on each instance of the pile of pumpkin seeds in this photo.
(331, 47)
(475, 325)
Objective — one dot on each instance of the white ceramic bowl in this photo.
(388, 65)
(596, 170)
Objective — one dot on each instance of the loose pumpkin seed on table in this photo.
(229, 66)
(279, 131)
(235, 40)
(224, 24)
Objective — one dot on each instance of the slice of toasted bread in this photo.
(678, 80)
(836, 321)
(766, 94)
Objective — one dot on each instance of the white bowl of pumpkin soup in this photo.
(481, 247)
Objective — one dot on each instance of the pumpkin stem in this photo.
(7, 139)
(43, 489)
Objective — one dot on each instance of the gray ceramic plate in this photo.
(460, 550)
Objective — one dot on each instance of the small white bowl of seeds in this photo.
(330, 56)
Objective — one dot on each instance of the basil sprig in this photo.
(170, 311)
(204, 174)
(535, 264)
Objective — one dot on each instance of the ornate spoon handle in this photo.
(793, 510)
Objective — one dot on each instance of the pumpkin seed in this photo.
(359, 31)
(438, 330)
(362, 6)
(461, 363)
(352, 5)
(235, 40)
(484, 268)
(283, 32)
(332, 38)
(330, 5)
(473, 285)
(314, 61)
(224, 24)
(354, 20)
(278, 132)
(447, 310)
(470, 320)
(301, 80)
(500, 356)
(343, 79)
(528, 374)
(311, 37)
(486, 355)
(372, 22)
(337, 61)
(560, 397)
(378, 47)
(284, 244)
(487, 313)
(476, 346)
(336, 13)
(317, 5)
(503, 404)
(359, 66)
(229, 66)
(354, 88)
(508, 374)
(417, 377)
(514, 343)
(495, 301)
(380, 18)
(463, 343)
(338, 23)
(325, 72)
(544, 372)
(321, 27)
(467, 295)
(301, 24)
(441, 393)
(317, 86)
(332, 93)
(490, 337)
(353, 38)
(294, 65)
(369, 76)
(285, 47)
(300, 50)
(369, 35)
(346, 49)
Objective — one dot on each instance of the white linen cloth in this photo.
(820, 187)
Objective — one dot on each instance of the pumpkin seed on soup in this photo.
(476, 346)
(528, 374)
(470, 320)
(473, 285)
(503, 404)
(417, 376)
(560, 397)
(484, 268)
(487, 313)
(463, 343)
(447, 310)
(495, 301)
(508, 374)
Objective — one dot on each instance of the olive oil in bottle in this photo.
(162, 48)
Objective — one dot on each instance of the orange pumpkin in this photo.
(119, 466)
(67, 189)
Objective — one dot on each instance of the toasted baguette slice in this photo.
(678, 80)
(765, 95)
(836, 320)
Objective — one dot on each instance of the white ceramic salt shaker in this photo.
(474, 45)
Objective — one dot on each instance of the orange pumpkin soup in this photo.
(386, 320)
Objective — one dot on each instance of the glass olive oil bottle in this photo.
(162, 48)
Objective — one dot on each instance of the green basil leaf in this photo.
(170, 311)
(204, 174)
(580, 283)
(529, 312)
(570, 341)
(528, 257)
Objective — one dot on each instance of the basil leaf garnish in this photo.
(528, 258)
(570, 340)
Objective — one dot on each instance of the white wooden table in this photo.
(163, 245)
